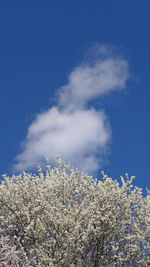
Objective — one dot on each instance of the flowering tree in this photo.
(8, 253)
(64, 218)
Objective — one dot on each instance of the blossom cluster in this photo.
(8, 252)
(64, 218)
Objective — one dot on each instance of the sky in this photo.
(74, 82)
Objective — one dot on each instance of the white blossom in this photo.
(64, 218)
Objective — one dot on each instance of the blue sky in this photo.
(42, 43)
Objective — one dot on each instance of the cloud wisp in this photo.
(79, 134)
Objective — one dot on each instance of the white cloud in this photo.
(71, 130)
(89, 82)
(75, 136)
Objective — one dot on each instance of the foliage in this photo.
(64, 218)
